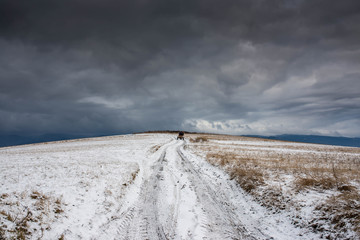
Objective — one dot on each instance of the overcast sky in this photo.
(241, 67)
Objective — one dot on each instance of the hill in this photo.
(151, 186)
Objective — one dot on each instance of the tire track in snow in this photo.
(141, 220)
(176, 202)
(222, 223)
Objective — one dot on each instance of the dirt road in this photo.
(178, 200)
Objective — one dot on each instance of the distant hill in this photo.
(338, 141)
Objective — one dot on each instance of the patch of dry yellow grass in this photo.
(308, 166)
(199, 139)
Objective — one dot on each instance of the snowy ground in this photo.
(316, 186)
(143, 186)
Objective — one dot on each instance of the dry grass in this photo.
(4, 196)
(321, 183)
(16, 219)
(131, 178)
(248, 176)
(256, 164)
(2, 233)
(134, 175)
(7, 215)
(318, 170)
(341, 211)
(155, 148)
(58, 201)
(199, 139)
(249, 179)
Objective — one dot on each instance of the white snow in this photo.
(143, 186)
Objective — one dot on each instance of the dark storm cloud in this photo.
(228, 66)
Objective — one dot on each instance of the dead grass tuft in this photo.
(199, 139)
(274, 199)
(22, 226)
(248, 176)
(220, 159)
(4, 196)
(7, 215)
(58, 210)
(154, 148)
(38, 195)
(58, 201)
(323, 183)
(2, 233)
(134, 175)
(342, 211)
(346, 188)
(249, 179)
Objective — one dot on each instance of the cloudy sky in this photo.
(227, 66)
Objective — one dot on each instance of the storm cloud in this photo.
(240, 67)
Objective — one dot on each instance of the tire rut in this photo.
(156, 213)
(141, 220)
(222, 222)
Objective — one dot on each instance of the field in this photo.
(152, 186)
(318, 186)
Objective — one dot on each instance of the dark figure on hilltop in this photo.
(180, 136)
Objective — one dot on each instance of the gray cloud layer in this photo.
(242, 67)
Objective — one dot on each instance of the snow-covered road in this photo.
(180, 196)
(174, 201)
(144, 186)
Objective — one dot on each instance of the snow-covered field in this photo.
(147, 186)
(316, 186)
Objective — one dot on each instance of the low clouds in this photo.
(243, 67)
